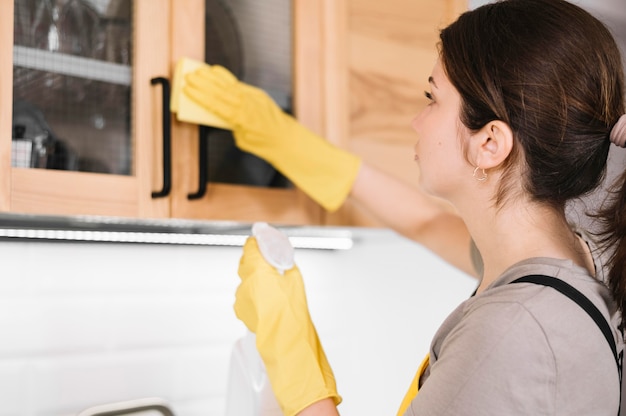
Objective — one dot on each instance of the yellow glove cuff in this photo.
(323, 171)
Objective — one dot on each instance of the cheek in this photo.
(441, 161)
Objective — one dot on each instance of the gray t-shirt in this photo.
(525, 349)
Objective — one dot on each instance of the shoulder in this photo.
(527, 321)
(527, 338)
(511, 312)
(495, 350)
(540, 323)
(537, 306)
(499, 329)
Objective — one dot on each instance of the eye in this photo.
(428, 95)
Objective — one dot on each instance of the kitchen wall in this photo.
(86, 324)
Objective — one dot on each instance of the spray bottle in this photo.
(249, 390)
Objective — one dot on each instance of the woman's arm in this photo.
(323, 171)
(414, 214)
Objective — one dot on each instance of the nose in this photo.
(415, 121)
(415, 125)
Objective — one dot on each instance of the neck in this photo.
(520, 231)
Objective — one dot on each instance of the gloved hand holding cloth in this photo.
(274, 307)
(323, 171)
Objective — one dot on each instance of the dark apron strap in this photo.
(586, 305)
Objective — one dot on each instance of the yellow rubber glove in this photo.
(274, 307)
(323, 171)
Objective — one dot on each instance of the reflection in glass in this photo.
(237, 33)
(72, 84)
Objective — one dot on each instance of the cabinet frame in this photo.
(240, 202)
(6, 101)
(43, 191)
(327, 38)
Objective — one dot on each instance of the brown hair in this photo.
(554, 74)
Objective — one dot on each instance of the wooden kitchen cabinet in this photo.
(163, 31)
(220, 200)
(359, 71)
(51, 62)
(376, 60)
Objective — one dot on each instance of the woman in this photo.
(523, 111)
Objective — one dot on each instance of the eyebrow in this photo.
(431, 80)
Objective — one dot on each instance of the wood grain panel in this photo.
(246, 203)
(152, 51)
(74, 193)
(41, 191)
(6, 101)
(250, 204)
(390, 50)
(187, 20)
(308, 61)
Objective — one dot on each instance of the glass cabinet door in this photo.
(72, 85)
(83, 84)
(211, 177)
(237, 35)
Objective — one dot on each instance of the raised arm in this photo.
(426, 220)
(323, 171)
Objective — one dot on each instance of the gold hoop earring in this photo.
(481, 178)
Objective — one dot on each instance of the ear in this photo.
(491, 145)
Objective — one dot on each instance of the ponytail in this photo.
(613, 232)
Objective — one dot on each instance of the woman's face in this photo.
(440, 135)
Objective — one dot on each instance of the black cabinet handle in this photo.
(203, 142)
(167, 138)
